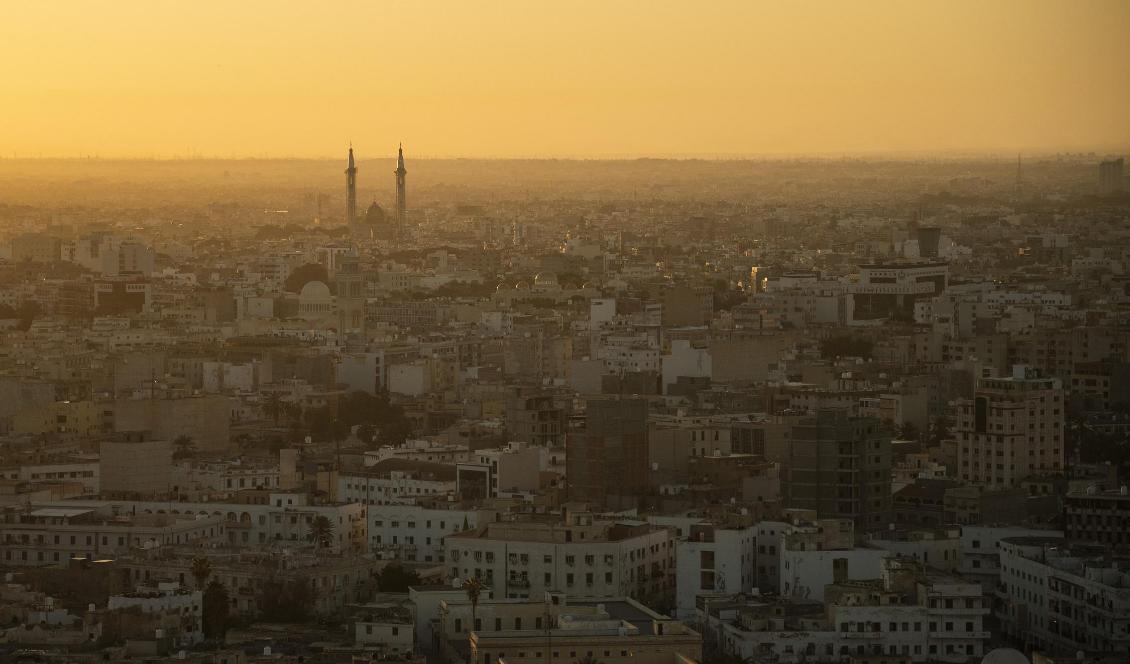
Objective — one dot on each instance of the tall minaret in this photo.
(401, 197)
(351, 191)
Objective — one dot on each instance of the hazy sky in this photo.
(562, 78)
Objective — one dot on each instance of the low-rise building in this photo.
(576, 553)
(1061, 597)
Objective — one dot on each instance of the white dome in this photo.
(545, 278)
(1004, 656)
(315, 290)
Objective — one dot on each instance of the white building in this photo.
(417, 532)
(905, 613)
(579, 555)
(711, 560)
(1063, 598)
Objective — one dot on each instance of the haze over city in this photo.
(565, 333)
(581, 79)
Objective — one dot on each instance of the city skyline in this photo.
(730, 79)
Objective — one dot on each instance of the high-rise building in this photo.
(1011, 429)
(401, 194)
(351, 192)
(610, 456)
(1111, 176)
(840, 466)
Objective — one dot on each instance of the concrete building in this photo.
(256, 519)
(1012, 428)
(537, 419)
(610, 456)
(903, 614)
(132, 464)
(617, 630)
(1060, 597)
(418, 532)
(206, 419)
(396, 481)
(576, 553)
(53, 535)
(1098, 517)
(840, 466)
(713, 559)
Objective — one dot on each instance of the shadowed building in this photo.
(840, 466)
(610, 456)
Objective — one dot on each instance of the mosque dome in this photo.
(522, 285)
(315, 290)
(502, 286)
(545, 279)
(375, 216)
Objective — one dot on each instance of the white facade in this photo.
(713, 560)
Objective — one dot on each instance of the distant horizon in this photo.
(361, 156)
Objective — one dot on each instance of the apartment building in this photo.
(713, 559)
(840, 466)
(617, 630)
(1057, 596)
(1012, 428)
(1100, 517)
(906, 614)
(253, 518)
(43, 535)
(525, 556)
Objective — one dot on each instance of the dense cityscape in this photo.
(581, 412)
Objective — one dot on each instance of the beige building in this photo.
(613, 631)
(133, 464)
(206, 419)
(1012, 428)
(53, 535)
(529, 555)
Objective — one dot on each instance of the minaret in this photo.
(401, 197)
(351, 192)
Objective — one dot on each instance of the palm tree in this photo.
(474, 588)
(201, 570)
(273, 406)
(185, 446)
(321, 531)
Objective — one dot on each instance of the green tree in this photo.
(321, 532)
(286, 601)
(908, 431)
(216, 606)
(304, 274)
(201, 570)
(396, 578)
(273, 406)
(184, 447)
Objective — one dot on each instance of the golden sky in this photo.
(141, 78)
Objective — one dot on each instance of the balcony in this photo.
(959, 635)
(961, 611)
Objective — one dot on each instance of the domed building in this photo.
(315, 300)
(377, 225)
